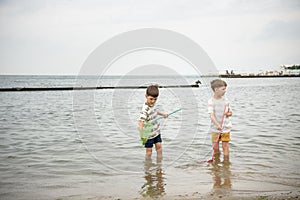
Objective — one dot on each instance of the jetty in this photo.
(31, 89)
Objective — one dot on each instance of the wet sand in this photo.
(219, 183)
(217, 194)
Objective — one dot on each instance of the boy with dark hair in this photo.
(149, 113)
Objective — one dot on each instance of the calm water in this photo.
(85, 144)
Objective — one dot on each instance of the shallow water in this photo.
(85, 144)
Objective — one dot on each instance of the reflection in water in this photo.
(154, 176)
(221, 175)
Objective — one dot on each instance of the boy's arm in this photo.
(162, 114)
(141, 125)
(214, 120)
(229, 111)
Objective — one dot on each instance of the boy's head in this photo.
(218, 86)
(217, 83)
(152, 93)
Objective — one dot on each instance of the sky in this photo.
(55, 37)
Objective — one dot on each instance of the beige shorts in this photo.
(224, 137)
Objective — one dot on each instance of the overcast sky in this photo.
(57, 36)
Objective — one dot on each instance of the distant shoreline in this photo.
(34, 76)
(258, 76)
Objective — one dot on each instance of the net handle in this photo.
(175, 111)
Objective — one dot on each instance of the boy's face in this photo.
(150, 100)
(220, 91)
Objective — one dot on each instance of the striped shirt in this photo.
(147, 114)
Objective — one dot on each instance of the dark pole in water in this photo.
(20, 89)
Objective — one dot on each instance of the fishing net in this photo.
(145, 133)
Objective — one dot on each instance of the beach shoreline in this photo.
(242, 189)
(216, 194)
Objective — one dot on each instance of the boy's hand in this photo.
(162, 114)
(219, 127)
(228, 114)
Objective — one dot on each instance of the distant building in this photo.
(290, 70)
(285, 71)
(273, 73)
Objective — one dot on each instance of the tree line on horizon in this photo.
(292, 67)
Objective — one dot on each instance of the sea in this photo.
(84, 144)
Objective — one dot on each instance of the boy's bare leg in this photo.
(216, 147)
(225, 147)
(158, 148)
(148, 153)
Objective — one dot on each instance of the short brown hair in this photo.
(217, 83)
(152, 90)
